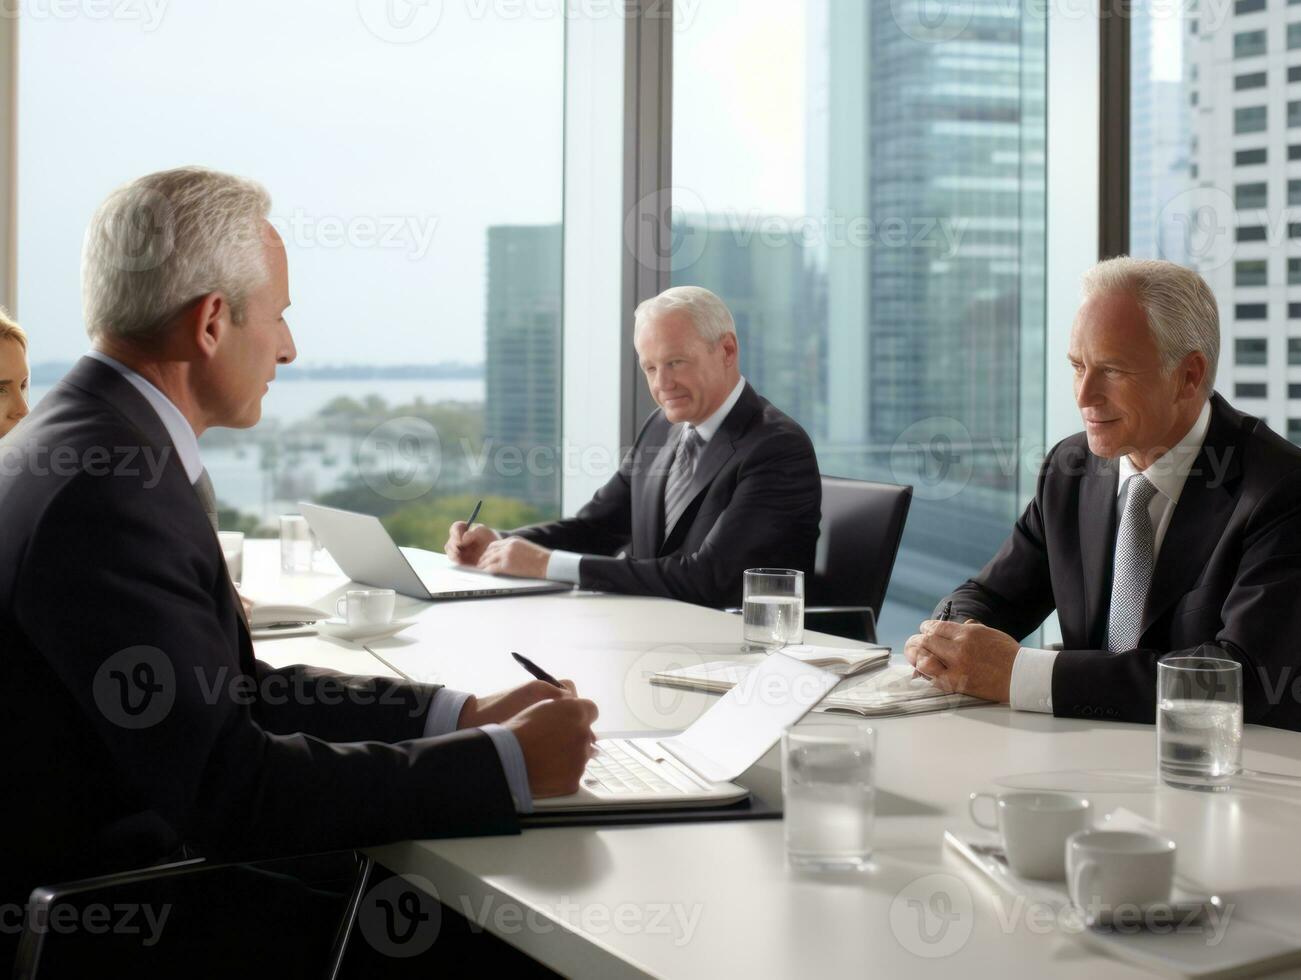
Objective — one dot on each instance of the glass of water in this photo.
(827, 785)
(772, 608)
(296, 544)
(232, 547)
(1198, 721)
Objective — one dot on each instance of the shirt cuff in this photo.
(512, 764)
(562, 566)
(1032, 680)
(444, 712)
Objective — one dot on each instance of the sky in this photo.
(390, 134)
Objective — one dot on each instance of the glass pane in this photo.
(1206, 196)
(415, 170)
(864, 186)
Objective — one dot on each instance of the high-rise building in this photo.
(935, 327)
(1241, 79)
(522, 383)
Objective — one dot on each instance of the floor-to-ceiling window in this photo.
(414, 156)
(863, 182)
(1215, 180)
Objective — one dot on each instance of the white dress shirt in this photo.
(445, 708)
(563, 566)
(1032, 670)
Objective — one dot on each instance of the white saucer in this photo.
(341, 630)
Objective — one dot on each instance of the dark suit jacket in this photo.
(134, 716)
(756, 502)
(1228, 574)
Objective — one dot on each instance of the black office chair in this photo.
(862, 524)
(47, 951)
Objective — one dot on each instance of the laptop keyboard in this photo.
(618, 769)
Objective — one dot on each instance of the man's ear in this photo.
(730, 348)
(1192, 374)
(207, 323)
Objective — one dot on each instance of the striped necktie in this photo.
(1132, 572)
(677, 492)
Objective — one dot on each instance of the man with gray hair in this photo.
(718, 481)
(1171, 524)
(140, 722)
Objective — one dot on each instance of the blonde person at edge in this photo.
(15, 380)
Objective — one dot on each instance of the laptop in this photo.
(696, 768)
(366, 554)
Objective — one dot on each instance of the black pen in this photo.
(475, 513)
(945, 615)
(536, 671)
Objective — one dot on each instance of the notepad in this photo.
(720, 676)
(894, 691)
(888, 690)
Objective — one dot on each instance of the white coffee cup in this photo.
(1034, 828)
(1111, 869)
(366, 607)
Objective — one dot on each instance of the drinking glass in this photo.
(827, 785)
(232, 548)
(296, 544)
(1198, 721)
(772, 609)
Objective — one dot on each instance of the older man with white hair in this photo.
(1171, 524)
(141, 724)
(718, 481)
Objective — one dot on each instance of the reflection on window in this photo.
(865, 189)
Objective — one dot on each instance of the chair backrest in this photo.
(862, 524)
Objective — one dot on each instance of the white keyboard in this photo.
(621, 768)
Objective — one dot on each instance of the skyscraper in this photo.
(1246, 178)
(522, 390)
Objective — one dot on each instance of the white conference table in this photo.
(708, 899)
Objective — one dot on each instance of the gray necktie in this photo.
(1132, 573)
(207, 497)
(677, 492)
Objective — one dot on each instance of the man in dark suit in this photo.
(139, 725)
(718, 481)
(1172, 524)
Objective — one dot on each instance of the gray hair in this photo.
(1180, 308)
(710, 314)
(166, 239)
